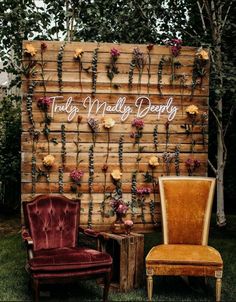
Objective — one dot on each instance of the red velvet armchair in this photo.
(51, 233)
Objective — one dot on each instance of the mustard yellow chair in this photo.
(186, 204)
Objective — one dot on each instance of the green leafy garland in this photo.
(120, 152)
(94, 71)
(155, 138)
(90, 183)
(63, 159)
(149, 48)
(133, 194)
(59, 67)
(176, 156)
(159, 75)
(29, 102)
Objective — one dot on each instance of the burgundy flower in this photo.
(44, 102)
(138, 123)
(119, 206)
(76, 175)
(150, 47)
(43, 46)
(115, 53)
(105, 168)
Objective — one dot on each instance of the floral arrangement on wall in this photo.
(97, 153)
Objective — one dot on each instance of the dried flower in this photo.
(108, 122)
(78, 54)
(43, 46)
(44, 102)
(138, 123)
(115, 53)
(192, 110)
(192, 165)
(93, 124)
(79, 119)
(76, 175)
(104, 168)
(48, 161)
(30, 50)
(116, 174)
(144, 191)
(153, 161)
(129, 223)
(202, 54)
(175, 46)
(150, 46)
(119, 206)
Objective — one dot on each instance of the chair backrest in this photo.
(52, 221)
(186, 204)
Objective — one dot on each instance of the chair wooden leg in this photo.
(107, 280)
(149, 287)
(36, 290)
(218, 289)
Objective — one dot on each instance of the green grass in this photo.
(14, 279)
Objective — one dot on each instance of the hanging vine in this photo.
(176, 156)
(149, 48)
(90, 185)
(133, 204)
(29, 101)
(63, 159)
(120, 152)
(94, 71)
(59, 67)
(155, 138)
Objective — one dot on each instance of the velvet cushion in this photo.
(186, 202)
(183, 255)
(68, 259)
(53, 221)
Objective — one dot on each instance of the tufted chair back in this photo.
(53, 221)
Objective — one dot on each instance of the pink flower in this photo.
(44, 102)
(76, 175)
(143, 190)
(138, 123)
(118, 206)
(115, 53)
(129, 223)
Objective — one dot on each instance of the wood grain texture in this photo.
(190, 137)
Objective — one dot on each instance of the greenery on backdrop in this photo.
(198, 23)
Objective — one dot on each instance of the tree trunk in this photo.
(221, 156)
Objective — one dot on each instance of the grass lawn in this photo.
(14, 279)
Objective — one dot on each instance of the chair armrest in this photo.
(93, 234)
(26, 236)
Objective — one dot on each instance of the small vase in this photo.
(127, 229)
(118, 226)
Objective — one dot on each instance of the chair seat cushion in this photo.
(175, 254)
(67, 259)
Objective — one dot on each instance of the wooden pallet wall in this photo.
(162, 106)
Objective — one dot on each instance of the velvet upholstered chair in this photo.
(54, 255)
(186, 204)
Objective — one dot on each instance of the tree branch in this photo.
(227, 14)
(202, 18)
(212, 167)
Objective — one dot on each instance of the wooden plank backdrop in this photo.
(157, 96)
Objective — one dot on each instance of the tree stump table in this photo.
(127, 252)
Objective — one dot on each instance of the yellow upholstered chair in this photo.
(186, 204)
